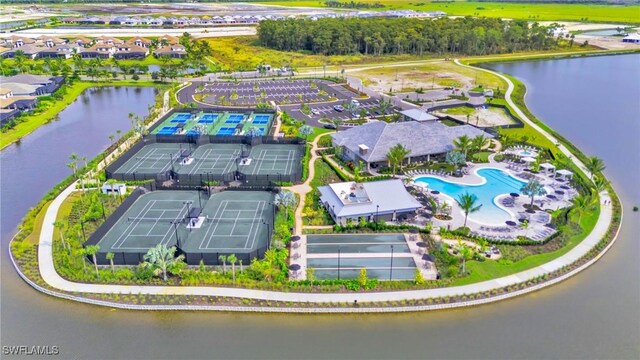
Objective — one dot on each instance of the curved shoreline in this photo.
(50, 276)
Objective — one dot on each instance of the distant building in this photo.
(173, 51)
(417, 115)
(385, 200)
(632, 38)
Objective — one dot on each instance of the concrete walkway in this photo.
(303, 189)
(51, 277)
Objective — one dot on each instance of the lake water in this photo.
(593, 101)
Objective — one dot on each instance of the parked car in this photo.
(315, 112)
(355, 115)
(338, 108)
(355, 102)
(330, 126)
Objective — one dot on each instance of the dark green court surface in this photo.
(203, 227)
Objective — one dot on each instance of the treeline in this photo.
(353, 5)
(603, 2)
(467, 36)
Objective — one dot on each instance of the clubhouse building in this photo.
(371, 142)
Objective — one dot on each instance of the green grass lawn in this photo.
(481, 271)
(482, 156)
(527, 11)
(55, 107)
(459, 110)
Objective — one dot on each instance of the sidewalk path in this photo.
(51, 277)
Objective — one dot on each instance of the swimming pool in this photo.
(497, 182)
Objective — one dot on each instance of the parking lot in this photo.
(279, 91)
(326, 110)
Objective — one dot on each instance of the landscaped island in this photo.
(320, 192)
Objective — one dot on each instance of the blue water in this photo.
(497, 183)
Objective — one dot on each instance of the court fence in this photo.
(172, 180)
(119, 257)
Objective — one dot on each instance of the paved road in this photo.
(199, 32)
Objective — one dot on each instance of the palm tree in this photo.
(305, 131)
(336, 122)
(285, 199)
(223, 260)
(478, 142)
(594, 165)
(465, 255)
(396, 156)
(60, 226)
(83, 253)
(468, 204)
(533, 188)
(599, 184)
(525, 225)
(109, 257)
(384, 106)
(351, 108)
(582, 204)
(19, 59)
(233, 259)
(463, 144)
(73, 165)
(92, 250)
(161, 257)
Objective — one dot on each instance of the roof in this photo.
(635, 36)
(14, 99)
(27, 79)
(547, 166)
(418, 115)
(170, 49)
(564, 172)
(29, 49)
(5, 91)
(20, 88)
(81, 38)
(422, 138)
(384, 197)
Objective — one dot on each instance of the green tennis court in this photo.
(200, 226)
(154, 159)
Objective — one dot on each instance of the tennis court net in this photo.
(156, 220)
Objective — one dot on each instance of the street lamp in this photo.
(391, 268)
(377, 208)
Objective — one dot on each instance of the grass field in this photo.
(573, 12)
(481, 271)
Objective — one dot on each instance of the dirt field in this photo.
(492, 116)
(436, 75)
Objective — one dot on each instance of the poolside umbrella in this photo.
(428, 257)
(522, 220)
(514, 194)
(551, 196)
(435, 192)
(294, 267)
(559, 192)
(421, 245)
(510, 223)
(565, 187)
(295, 238)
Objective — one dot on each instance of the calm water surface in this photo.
(593, 101)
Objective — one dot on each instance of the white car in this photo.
(315, 112)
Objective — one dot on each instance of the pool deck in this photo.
(537, 227)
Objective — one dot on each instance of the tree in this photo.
(60, 225)
(93, 250)
(73, 165)
(232, 260)
(357, 171)
(468, 204)
(337, 122)
(463, 144)
(582, 203)
(465, 254)
(599, 184)
(160, 258)
(362, 277)
(396, 155)
(456, 158)
(525, 225)
(384, 106)
(240, 262)
(223, 260)
(286, 199)
(110, 257)
(533, 188)
(351, 108)
(418, 278)
(305, 131)
(594, 165)
(478, 142)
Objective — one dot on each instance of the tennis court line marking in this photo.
(260, 207)
(129, 230)
(206, 235)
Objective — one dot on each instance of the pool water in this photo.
(498, 182)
